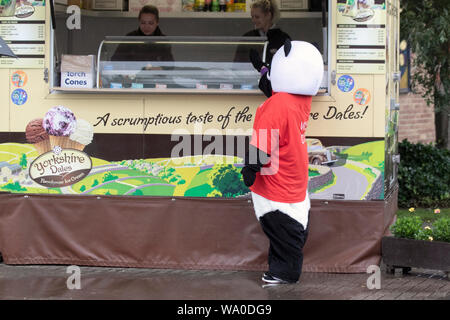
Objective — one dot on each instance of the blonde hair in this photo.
(267, 6)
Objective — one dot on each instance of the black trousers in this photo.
(287, 239)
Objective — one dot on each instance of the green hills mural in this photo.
(191, 176)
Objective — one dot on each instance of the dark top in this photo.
(276, 39)
(143, 52)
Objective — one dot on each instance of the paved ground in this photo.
(49, 282)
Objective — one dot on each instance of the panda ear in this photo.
(287, 46)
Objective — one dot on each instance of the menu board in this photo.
(24, 32)
(361, 36)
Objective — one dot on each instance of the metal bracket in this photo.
(396, 158)
(46, 75)
(395, 106)
(333, 77)
(396, 76)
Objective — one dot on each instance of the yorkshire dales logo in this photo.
(24, 11)
(54, 170)
(59, 139)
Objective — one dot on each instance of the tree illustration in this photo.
(228, 180)
(173, 179)
(23, 161)
(14, 186)
(137, 192)
(109, 177)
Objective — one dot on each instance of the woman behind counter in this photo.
(265, 14)
(148, 27)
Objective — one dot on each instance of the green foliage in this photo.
(380, 166)
(425, 25)
(423, 176)
(369, 172)
(95, 183)
(426, 214)
(169, 174)
(441, 230)
(363, 156)
(83, 188)
(424, 234)
(137, 192)
(14, 187)
(165, 173)
(411, 227)
(23, 161)
(406, 227)
(215, 193)
(323, 186)
(228, 180)
(313, 172)
(108, 177)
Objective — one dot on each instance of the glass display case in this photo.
(179, 63)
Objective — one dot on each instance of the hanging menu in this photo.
(24, 32)
(361, 36)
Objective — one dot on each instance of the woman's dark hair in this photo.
(149, 9)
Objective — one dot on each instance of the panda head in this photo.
(297, 68)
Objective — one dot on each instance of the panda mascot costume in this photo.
(276, 164)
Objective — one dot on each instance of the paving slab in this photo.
(56, 282)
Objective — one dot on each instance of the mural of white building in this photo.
(7, 170)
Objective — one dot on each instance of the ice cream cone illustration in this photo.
(38, 136)
(71, 144)
(59, 122)
(58, 141)
(81, 136)
(43, 146)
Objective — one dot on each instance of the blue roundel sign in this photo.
(345, 83)
(19, 97)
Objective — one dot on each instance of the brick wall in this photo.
(416, 120)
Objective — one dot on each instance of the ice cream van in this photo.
(141, 167)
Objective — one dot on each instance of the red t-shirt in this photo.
(279, 130)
